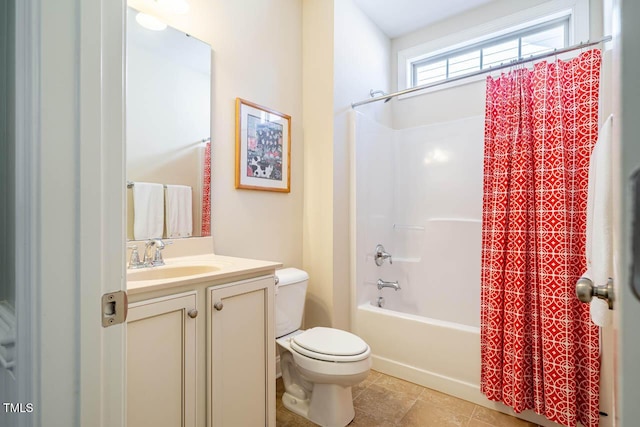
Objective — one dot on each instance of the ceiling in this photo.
(399, 17)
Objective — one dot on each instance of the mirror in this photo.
(168, 115)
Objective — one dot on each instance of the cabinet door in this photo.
(241, 354)
(161, 362)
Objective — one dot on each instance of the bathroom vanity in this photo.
(201, 344)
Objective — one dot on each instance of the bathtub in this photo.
(440, 355)
(434, 353)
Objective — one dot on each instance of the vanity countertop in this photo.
(199, 268)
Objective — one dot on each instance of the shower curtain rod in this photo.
(481, 72)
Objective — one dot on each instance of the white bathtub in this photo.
(440, 355)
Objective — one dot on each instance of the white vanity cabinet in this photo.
(161, 361)
(190, 364)
(241, 353)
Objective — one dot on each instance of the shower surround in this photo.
(418, 192)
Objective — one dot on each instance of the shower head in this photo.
(374, 93)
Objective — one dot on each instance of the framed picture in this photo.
(263, 148)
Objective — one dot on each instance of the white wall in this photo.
(462, 101)
(345, 56)
(419, 193)
(318, 83)
(439, 187)
(257, 56)
(375, 175)
(361, 63)
(467, 99)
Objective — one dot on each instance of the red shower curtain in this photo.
(539, 346)
(206, 191)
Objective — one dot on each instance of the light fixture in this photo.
(178, 7)
(150, 22)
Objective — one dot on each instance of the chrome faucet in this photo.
(134, 261)
(380, 255)
(383, 284)
(156, 260)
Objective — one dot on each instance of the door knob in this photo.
(218, 305)
(585, 291)
(193, 313)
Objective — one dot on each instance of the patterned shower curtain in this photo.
(539, 346)
(206, 191)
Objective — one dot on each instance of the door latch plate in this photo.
(114, 308)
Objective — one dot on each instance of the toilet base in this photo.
(330, 405)
(296, 405)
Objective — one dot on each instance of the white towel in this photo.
(179, 211)
(148, 210)
(599, 246)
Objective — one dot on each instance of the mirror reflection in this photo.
(168, 132)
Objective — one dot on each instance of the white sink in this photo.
(169, 272)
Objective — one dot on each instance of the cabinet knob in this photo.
(218, 305)
(193, 313)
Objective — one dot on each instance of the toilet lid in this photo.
(330, 344)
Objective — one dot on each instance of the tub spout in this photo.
(383, 284)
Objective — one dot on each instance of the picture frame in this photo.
(263, 148)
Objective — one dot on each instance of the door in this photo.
(241, 354)
(69, 192)
(161, 362)
(626, 140)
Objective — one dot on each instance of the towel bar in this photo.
(130, 184)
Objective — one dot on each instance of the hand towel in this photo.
(599, 245)
(148, 210)
(179, 211)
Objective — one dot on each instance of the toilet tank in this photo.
(290, 295)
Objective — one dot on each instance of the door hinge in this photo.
(114, 308)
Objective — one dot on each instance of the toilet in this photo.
(320, 365)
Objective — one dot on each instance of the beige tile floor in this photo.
(385, 401)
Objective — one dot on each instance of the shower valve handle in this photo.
(380, 255)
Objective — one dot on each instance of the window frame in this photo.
(480, 46)
(576, 11)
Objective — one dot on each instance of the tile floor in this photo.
(385, 401)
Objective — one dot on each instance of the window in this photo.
(530, 41)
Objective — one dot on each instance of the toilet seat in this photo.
(330, 345)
